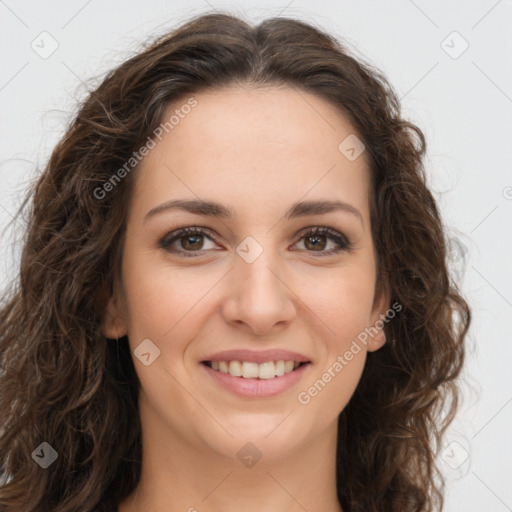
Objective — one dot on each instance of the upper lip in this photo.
(260, 356)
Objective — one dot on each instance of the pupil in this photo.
(191, 237)
(317, 242)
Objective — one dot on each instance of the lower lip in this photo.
(257, 388)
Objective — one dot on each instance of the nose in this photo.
(257, 298)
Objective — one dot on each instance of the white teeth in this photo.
(235, 368)
(267, 370)
(251, 370)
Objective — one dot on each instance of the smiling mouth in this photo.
(250, 370)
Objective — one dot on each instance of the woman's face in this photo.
(254, 281)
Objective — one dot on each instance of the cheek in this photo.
(343, 301)
(148, 301)
(344, 308)
(163, 301)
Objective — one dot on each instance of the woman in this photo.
(233, 293)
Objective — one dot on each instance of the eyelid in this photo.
(343, 241)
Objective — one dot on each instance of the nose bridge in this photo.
(258, 296)
(256, 267)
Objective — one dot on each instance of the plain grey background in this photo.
(450, 64)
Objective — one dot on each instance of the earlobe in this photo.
(112, 325)
(377, 341)
(379, 315)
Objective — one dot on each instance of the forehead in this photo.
(252, 145)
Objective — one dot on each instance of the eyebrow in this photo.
(217, 210)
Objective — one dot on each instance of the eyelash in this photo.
(341, 240)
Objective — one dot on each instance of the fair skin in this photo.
(256, 151)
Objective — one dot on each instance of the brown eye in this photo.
(316, 242)
(317, 239)
(192, 242)
(186, 240)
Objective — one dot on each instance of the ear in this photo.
(113, 324)
(377, 319)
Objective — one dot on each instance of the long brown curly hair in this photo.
(62, 382)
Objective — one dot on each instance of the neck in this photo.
(179, 476)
